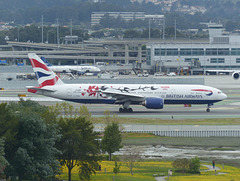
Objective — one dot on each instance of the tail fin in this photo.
(45, 61)
(45, 76)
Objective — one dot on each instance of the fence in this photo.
(182, 133)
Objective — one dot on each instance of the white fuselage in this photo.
(74, 68)
(171, 94)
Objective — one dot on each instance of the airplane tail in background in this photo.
(45, 76)
(45, 61)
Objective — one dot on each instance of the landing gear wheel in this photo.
(129, 110)
(121, 110)
(208, 107)
(125, 110)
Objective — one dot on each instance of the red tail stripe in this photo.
(37, 64)
(49, 82)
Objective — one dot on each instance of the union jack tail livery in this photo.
(45, 76)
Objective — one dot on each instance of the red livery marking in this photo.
(33, 90)
(49, 82)
(208, 92)
(37, 64)
(203, 90)
(92, 90)
(165, 87)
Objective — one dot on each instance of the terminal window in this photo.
(237, 60)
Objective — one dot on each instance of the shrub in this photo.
(186, 165)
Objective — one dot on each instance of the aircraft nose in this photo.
(221, 95)
(224, 96)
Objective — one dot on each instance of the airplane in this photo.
(71, 68)
(235, 73)
(152, 96)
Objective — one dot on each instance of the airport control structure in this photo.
(221, 51)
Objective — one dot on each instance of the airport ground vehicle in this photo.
(171, 74)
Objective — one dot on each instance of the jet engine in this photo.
(153, 103)
(235, 75)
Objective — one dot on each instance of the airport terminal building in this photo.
(219, 52)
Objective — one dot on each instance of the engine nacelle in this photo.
(154, 103)
(235, 75)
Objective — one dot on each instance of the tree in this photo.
(116, 168)
(131, 158)
(8, 130)
(112, 138)
(131, 34)
(3, 161)
(30, 141)
(35, 158)
(194, 165)
(84, 112)
(79, 146)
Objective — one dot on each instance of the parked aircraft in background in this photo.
(235, 73)
(71, 68)
(152, 96)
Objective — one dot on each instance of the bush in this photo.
(194, 166)
(185, 165)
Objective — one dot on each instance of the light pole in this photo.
(59, 41)
(47, 34)
(149, 29)
(82, 42)
(42, 28)
(175, 29)
(71, 29)
(18, 33)
(163, 29)
(57, 33)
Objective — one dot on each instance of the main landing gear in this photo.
(126, 107)
(208, 108)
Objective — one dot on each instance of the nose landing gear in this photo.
(208, 108)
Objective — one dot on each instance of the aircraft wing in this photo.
(223, 71)
(122, 97)
(73, 69)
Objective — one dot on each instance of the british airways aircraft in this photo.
(71, 68)
(152, 96)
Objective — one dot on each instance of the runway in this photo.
(229, 108)
(220, 110)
